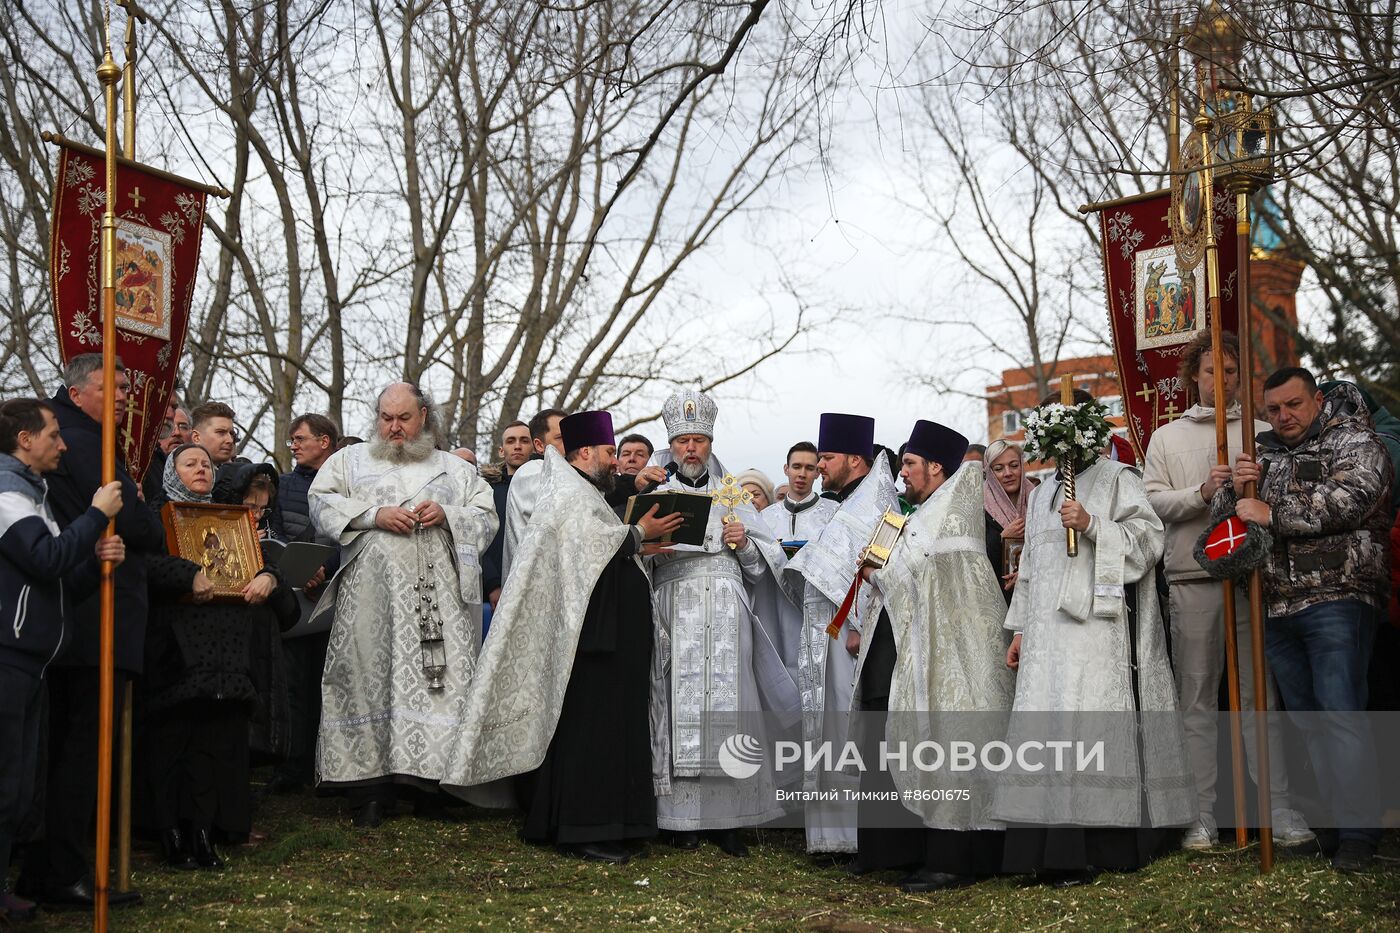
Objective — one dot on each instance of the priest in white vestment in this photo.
(562, 692)
(944, 674)
(1091, 665)
(526, 482)
(412, 521)
(822, 574)
(717, 660)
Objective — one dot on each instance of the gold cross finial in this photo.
(729, 496)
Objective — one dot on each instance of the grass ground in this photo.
(471, 871)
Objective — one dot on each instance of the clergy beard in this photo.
(691, 470)
(600, 476)
(414, 450)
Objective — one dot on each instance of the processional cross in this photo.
(729, 496)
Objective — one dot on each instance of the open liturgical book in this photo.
(695, 506)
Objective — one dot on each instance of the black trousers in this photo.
(65, 855)
(199, 767)
(305, 661)
(21, 711)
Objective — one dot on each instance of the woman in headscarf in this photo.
(759, 486)
(1005, 491)
(197, 689)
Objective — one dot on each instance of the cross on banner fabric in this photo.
(1153, 309)
(159, 221)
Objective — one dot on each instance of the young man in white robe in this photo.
(719, 676)
(412, 521)
(525, 483)
(1092, 666)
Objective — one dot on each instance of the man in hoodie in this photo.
(1181, 476)
(36, 560)
(1324, 493)
(58, 869)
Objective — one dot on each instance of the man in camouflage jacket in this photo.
(1324, 493)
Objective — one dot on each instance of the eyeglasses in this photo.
(297, 440)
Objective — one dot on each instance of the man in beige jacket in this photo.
(1181, 475)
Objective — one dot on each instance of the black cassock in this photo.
(888, 835)
(595, 784)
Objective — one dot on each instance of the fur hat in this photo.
(1231, 547)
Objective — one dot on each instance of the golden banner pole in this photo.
(127, 725)
(108, 74)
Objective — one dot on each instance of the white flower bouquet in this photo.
(1067, 433)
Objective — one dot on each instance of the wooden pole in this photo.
(124, 774)
(1067, 469)
(1203, 123)
(1264, 796)
(108, 74)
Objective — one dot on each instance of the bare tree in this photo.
(1094, 75)
(500, 200)
(995, 213)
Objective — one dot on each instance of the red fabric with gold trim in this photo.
(159, 222)
(1153, 311)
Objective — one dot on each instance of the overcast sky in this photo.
(864, 251)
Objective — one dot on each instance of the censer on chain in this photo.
(433, 655)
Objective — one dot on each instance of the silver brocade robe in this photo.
(525, 486)
(515, 699)
(950, 681)
(822, 572)
(716, 667)
(804, 525)
(378, 716)
(1078, 659)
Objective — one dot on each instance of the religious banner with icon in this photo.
(1155, 306)
(159, 221)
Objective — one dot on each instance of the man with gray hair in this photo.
(718, 665)
(412, 521)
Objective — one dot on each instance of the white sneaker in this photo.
(1290, 829)
(1202, 835)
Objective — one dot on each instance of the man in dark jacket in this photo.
(37, 564)
(58, 870)
(1324, 492)
(313, 439)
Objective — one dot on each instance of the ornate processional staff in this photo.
(1067, 468)
(1229, 132)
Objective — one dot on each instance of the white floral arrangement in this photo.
(1067, 432)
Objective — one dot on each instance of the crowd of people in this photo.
(520, 635)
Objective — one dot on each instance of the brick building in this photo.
(1018, 393)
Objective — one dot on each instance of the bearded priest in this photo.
(934, 670)
(719, 676)
(563, 687)
(822, 573)
(411, 521)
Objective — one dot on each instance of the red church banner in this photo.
(159, 220)
(1154, 310)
